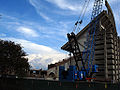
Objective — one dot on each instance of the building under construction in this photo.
(95, 52)
(107, 46)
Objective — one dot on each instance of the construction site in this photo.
(94, 57)
(101, 47)
(95, 50)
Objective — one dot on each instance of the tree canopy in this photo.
(12, 59)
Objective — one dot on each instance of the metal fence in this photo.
(35, 84)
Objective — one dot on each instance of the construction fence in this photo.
(37, 84)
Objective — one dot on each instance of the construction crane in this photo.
(74, 47)
(87, 55)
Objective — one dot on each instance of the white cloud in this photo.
(8, 16)
(113, 1)
(66, 4)
(37, 59)
(38, 7)
(39, 55)
(54, 31)
(44, 16)
(65, 7)
(27, 31)
(2, 35)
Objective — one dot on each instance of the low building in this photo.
(39, 73)
(53, 69)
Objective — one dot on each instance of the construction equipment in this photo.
(87, 56)
(74, 47)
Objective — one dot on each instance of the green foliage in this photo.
(12, 59)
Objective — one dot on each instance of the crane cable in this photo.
(83, 15)
(82, 11)
(79, 22)
(75, 26)
(85, 9)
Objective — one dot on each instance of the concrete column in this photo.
(115, 65)
(105, 55)
(118, 57)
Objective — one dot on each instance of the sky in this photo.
(40, 26)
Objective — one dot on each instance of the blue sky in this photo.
(40, 26)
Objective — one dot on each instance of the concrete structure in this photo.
(54, 68)
(107, 48)
(39, 73)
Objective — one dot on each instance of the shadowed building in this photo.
(37, 73)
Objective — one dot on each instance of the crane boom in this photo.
(74, 48)
(97, 8)
(88, 55)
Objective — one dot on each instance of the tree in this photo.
(12, 59)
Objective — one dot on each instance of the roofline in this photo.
(85, 28)
(108, 13)
(62, 62)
